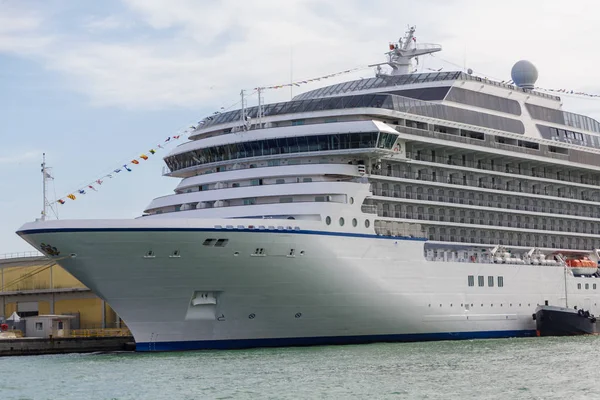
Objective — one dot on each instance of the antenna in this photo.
(44, 206)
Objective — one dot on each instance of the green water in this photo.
(535, 368)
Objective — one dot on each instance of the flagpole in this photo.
(44, 186)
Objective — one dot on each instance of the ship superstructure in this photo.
(408, 206)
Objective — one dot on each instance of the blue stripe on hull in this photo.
(326, 340)
(285, 231)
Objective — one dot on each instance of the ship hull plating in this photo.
(298, 287)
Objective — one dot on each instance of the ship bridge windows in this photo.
(286, 145)
(386, 140)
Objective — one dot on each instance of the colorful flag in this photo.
(99, 182)
(81, 191)
(127, 168)
(152, 151)
(93, 188)
(135, 162)
(72, 196)
(143, 156)
(167, 139)
(61, 201)
(117, 170)
(160, 146)
(176, 137)
(109, 176)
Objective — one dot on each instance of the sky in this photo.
(94, 84)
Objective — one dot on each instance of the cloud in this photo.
(18, 33)
(109, 23)
(193, 53)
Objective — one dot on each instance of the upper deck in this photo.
(384, 83)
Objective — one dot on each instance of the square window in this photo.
(39, 326)
(221, 242)
(209, 242)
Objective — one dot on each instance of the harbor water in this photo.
(534, 368)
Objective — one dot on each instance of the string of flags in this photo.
(567, 91)
(128, 167)
(303, 82)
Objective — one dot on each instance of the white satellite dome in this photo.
(524, 74)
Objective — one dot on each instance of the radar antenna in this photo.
(402, 52)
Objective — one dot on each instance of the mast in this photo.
(260, 107)
(402, 52)
(566, 298)
(243, 113)
(44, 177)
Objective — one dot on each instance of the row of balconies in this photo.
(535, 206)
(485, 183)
(492, 219)
(556, 173)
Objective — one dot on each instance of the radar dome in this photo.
(524, 74)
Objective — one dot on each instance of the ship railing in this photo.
(212, 204)
(507, 86)
(490, 219)
(428, 46)
(23, 254)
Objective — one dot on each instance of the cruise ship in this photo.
(403, 207)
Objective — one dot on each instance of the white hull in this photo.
(343, 288)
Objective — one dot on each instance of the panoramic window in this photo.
(484, 100)
(297, 144)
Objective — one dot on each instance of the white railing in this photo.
(23, 254)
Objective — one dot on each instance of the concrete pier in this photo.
(37, 346)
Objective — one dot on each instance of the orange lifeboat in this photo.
(569, 262)
(582, 266)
